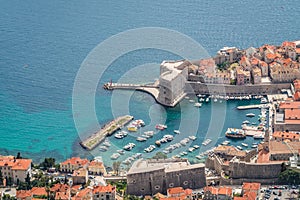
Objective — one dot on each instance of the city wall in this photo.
(241, 171)
(209, 89)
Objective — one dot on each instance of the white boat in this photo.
(191, 149)
(198, 105)
(103, 148)
(196, 146)
(263, 100)
(215, 100)
(121, 151)
(250, 115)
(115, 156)
(186, 97)
(129, 146)
(207, 99)
(192, 137)
(254, 146)
(239, 147)
(149, 133)
(259, 136)
(106, 143)
(119, 136)
(246, 122)
(169, 138)
(161, 126)
(206, 142)
(192, 100)
(199, 157)
(245, 145)
(226, 142)
(177, 131)
(149, 149)
(184, 153)
(141, 139)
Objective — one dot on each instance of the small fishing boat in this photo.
(239, 147)
(129, 146)
(141, 139)
(115, 156)
(198, 105)
(245, 145)
(161, 126)
(250, 114)
(149, 149)
(192, 137)
(177, 131)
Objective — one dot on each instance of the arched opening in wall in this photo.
(142, 190)
(157, 187)
(171, 185)
(185, 182)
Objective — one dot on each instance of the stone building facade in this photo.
(148, 177)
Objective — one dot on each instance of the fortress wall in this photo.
(201, 88)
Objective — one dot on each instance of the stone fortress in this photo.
(148, 177)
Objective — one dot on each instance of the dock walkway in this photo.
(253, 106)
(108, 129)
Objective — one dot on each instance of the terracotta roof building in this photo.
(96, 168)
(217, 193)
(104, 192)
(73, 163)
(17, 169)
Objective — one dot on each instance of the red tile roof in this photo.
(38, 191)
(60, 188)
(292, 114)
(175, 190)
(62, 195)
(285, 105)
(251, 186)
(22, 194)
(297, 96)
(296, 85)
(250, 195)
(75, 161)
(84, 193)
(15, 164)
(286, 135)
(102, 189)
(288, 44)
(219, 191)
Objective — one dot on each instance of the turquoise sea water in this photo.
(43, 43)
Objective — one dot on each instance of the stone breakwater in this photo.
(108, 129)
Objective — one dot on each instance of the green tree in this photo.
(27, 181)
(116, 166)
(1, 178)
(290, 176)
(19, 155)
(160, 155)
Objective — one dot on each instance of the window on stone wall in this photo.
(171, 185)
(185, 182)
(157, 187)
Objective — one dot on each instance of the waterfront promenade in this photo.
(108, 129)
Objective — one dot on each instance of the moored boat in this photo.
(239, 147)
(129, 146)
(177, 131)
(141, 139)
(245, 145)
(149, 149)
(235, 133)
(250, 115)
